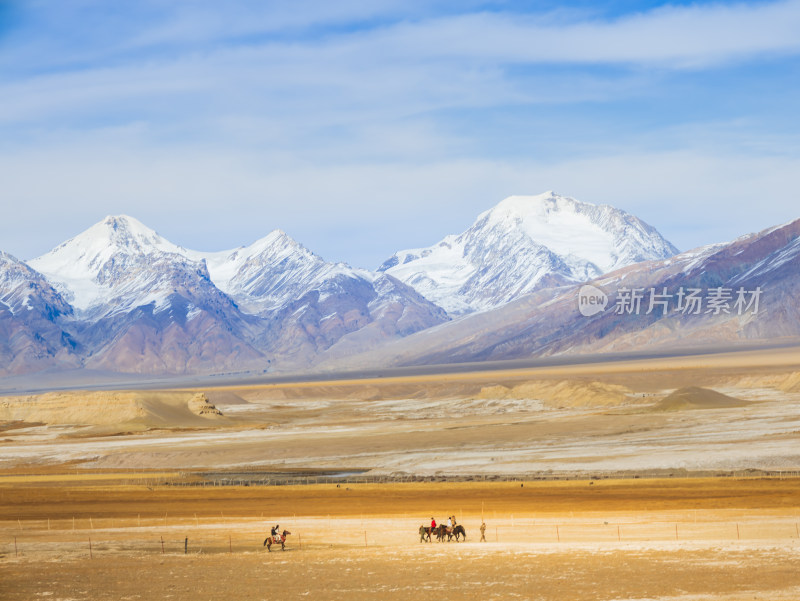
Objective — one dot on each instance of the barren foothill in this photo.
(704, 413)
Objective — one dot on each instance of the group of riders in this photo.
(449, 530)
(452, 528)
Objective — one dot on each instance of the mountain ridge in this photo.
(143, 304)
(523, 244)
(548, 323)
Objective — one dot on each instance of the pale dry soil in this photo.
(744, 413)
(470, 571)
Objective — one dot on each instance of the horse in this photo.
(459, 531)
(424, 532)
(270, 540)
(441, 532)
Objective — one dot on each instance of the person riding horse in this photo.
(451, 524)
(276, 538)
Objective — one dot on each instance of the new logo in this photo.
(591, 300)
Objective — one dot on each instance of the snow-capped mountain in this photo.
(145, 304)
(142, 305)
(311, 304)
(114, 266)
(523, 244)
(272, 272)
(31, 314)
(120, 297)
(746, 291)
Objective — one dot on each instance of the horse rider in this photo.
(449, 524)
(274, 532)
(433, 524)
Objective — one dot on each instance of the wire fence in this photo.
(107, 537)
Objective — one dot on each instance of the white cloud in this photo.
(423, 64)
(355, 142)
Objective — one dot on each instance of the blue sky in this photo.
(363, 128)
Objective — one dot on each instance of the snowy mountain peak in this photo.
(87, 268)
(119, 264)
(525, 243)
(538, 205)
(272, 271)
(572, 228)
(126, 233)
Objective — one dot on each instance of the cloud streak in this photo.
(670, 37)
(324, 119)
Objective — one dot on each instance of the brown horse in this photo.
(425, 532)
(270, 540)
(441, 531)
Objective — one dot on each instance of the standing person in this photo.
(483, 532)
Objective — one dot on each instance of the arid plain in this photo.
(665, 478)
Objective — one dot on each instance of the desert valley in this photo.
(670, 477)
(163, 409)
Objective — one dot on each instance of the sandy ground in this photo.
(577, 417)
(687, 539)
(71, 477)
(428, 436)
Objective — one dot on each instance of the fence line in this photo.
(190, 541)
(255, 477)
